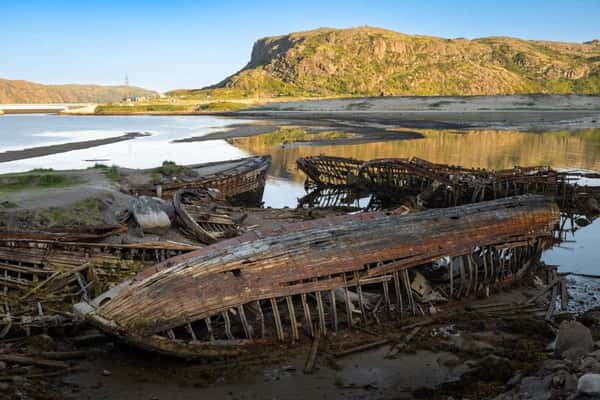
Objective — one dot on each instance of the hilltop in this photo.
(17, 91)
(371, 62)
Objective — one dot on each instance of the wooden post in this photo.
(307, 317)
(277, 318)
(292, 314)
(228, 333)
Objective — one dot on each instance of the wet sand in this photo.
(40, 151)
(361, 134)
(373, 117)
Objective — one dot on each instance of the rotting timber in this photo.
(309, 278)
(206, 216)
(440, 185)
(67, 234)
(40, 280)
(241, 181)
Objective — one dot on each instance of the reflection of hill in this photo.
(487, 149)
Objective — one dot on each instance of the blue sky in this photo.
(165, 45)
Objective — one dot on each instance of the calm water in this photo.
(25, 131)
(487, 149)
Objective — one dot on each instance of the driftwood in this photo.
(20, 359)
(264, 284)
(362, 347)
(400, 346)
(311, 360)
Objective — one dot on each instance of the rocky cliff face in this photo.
(12, 91)
(371, 61)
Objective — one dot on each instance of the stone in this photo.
(574, 354)
(2, 365)
(106, 373)
(514, 381)
(557, 365)
(148, 213)
(497, 368)
(589, 385)
(564, 380)
(595, 354)
(573, 335)
(471, 345)
(591, 317)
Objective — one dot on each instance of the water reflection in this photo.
(481, 149)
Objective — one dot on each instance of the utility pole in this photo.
(127, 94)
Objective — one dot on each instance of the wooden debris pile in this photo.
(80, 234)
(289, 280)
(206, 216)
(40, 280)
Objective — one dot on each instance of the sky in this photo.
(170, 44)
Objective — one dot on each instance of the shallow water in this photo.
(27, 131)
(485, 149)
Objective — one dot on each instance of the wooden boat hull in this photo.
(242, 184)
(440, 185)
(256, 286)
(330, 171)
(204, 215)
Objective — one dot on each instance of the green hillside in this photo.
(371, 61)
(14, 91)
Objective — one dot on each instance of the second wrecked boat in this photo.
(242, 181)
(288, 280)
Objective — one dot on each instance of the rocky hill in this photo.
(13, 91)
(372, 61)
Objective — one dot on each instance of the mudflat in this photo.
(40, 151)
(379, 118)
(519, 112)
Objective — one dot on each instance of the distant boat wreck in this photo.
(439, 185)
(242, 181)
(286, 281)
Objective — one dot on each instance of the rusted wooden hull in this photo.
(203, 215)
(242, 184)
(330, 171)
(281, 282)
(440, 185)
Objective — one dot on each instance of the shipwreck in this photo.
(439, 185)
(293, 280)
(242, 181)
(207, 216)
(41, 279)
